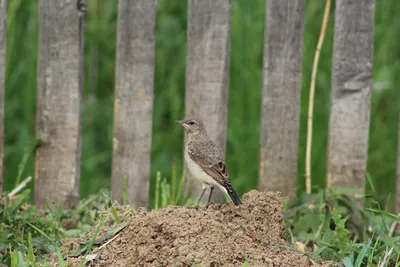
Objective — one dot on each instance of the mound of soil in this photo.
(222, 235)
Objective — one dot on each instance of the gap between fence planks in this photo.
(397, 187)
(134, 82)
(280, 115)
(58, 121)
(3, 30)
(207, 72)
(311, 96)
(350, 93)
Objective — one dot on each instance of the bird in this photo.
(204, 161)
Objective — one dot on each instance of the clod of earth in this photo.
(222, 235)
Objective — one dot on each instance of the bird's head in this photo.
(192, 125)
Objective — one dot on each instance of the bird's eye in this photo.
(191, 123)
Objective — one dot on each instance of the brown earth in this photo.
(222, 235)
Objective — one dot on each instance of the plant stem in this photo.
(312, 92)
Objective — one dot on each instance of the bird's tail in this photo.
(232, 194)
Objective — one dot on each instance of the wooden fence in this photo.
(207, 81)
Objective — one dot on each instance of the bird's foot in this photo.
(207, 205)
(195, 207)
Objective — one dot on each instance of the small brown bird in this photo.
(203, 159)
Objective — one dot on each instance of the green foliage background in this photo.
(244, 97)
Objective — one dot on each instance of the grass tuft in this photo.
(334, 226)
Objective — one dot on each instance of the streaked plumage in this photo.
(204, 161)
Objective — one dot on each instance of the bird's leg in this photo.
(198, 202)
(201, 196)
(209, 197)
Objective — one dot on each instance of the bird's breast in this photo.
(197, 171)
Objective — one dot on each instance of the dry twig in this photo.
(21, 186)
(311, 98)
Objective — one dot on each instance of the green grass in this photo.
(332, 226)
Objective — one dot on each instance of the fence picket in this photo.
(134, 100)
(59, 90)
(280, 117)
(350, 93)
(397, 188)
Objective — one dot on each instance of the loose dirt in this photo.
(222, 235)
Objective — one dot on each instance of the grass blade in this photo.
(362, 254)
(40, 231)
(31, 254)
(89, 248)
(385, 261)
(385, 213)
(60, 257)
(21, 262)
(29, 149)
(125, 191)
(347, 262)
(19, 201)
(115, 215)
(58, 252)
(83, 247)
(173, 184)
(371, 184)
(180, 188)
(157, 194)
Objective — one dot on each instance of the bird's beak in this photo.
(183, 124)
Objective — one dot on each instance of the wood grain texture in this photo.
(207, 72)
(397, 193)
(350, 93)
(280, 116)
(58, 122)
(134, 100)
(3, 19)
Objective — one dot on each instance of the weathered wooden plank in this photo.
(3, 19)
(350, 93)
(397, 193)
(134, 100)
(280, 117)
(207, 71)
(59, 89)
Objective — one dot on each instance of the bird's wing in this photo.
(213, 165)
